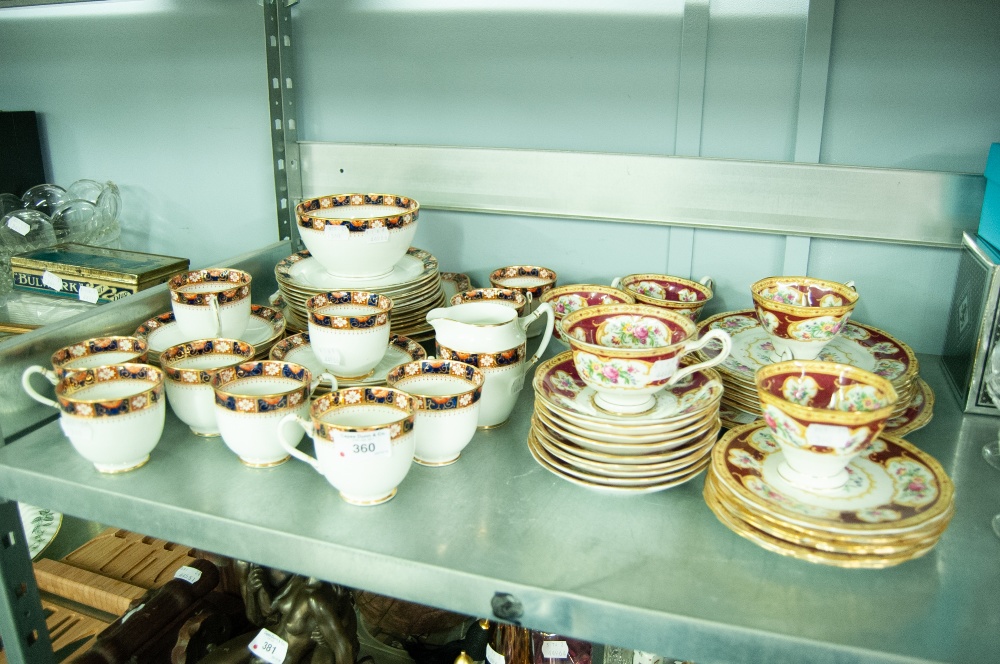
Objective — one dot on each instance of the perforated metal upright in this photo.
(21, 613)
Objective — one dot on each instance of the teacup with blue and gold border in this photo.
(188, 369)
(446, 394)
(364, 441)
(349, 331)
(251, 398)
(211, 303)
(90, 353)
(513, 298)
(113, 414)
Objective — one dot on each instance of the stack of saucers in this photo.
(296, 348)
(414, 284)
(638, 453)
(266, 326)
(895, 506)
(858, 345)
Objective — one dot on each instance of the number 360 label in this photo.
(362, 443)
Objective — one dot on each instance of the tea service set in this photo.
(633, 406)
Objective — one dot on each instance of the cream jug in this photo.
(491, 336)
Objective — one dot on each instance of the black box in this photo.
(21, 164)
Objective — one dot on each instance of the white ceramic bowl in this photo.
(357, 235)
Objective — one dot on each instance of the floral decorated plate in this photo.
(305, 272)
(808, 553)
(612, 465)
(859, 345)
(557, 382)
(582, 435)
(667, 443)
(917, 415)
(40, 527)
(266, 326)
(296, 349)
(893, 488)
(603, 486)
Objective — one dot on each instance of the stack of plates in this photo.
(414, 284)
(895, 506)
(266, 326)
(857, 344)
(652, 451)
(296, 349)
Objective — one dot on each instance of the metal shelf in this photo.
(655, 572)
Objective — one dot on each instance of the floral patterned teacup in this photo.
(822, 414)
(446, 397)
(364, 441)
(629, 352)
(113, 415)
(801, 314)
(681, 296)
(567, 299)
(251, 399)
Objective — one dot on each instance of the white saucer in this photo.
(266, 325)
(304, 271)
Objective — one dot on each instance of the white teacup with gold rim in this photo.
(251, 398)
(349, 330)
(492, 338)
(531, 280)
(822, 415)
(91, 353)
(364, 441)
(188, 369)
(629, 352)
(211, 303)
(446, 395)
(113, 415)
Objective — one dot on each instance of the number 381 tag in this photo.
(362, 443)
(269, 647)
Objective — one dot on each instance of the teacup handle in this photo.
(316, 381)
(707, 282)
(213, 305)
(310, 430)
(543, 308)
(850, 284)
(26, 384)
(712, 335)
(616, 282)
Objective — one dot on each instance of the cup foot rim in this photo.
(436, 464)
(369, 502)
(205, 434)
(114, 470)
(609, 408)
(807, 482)
(265, 464)
(487, 427)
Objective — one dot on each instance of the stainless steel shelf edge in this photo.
(654, 572)
(817, 200)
